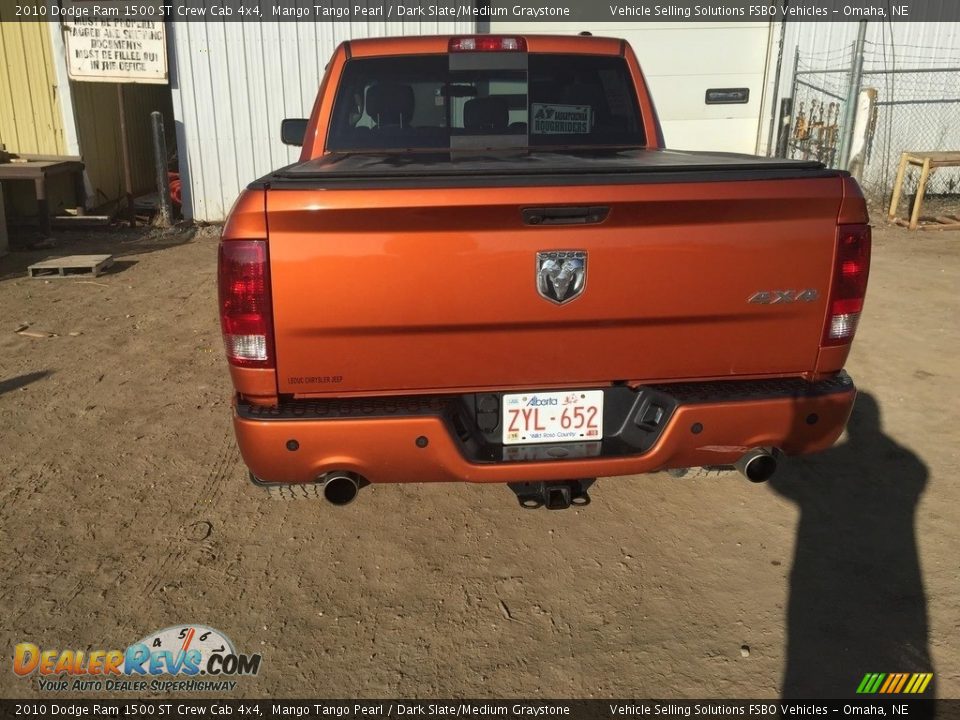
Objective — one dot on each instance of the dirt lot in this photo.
(125, 509)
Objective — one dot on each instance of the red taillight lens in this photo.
(245, 314)
(851, 268)
(488, 43)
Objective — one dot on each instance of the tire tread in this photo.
(709, 472)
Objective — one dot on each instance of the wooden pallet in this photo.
(71, 266)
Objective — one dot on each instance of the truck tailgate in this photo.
(431, 288)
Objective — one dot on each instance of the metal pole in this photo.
(776, 90)
(787, 105)
(125, 152)
(160, 160)
(794, 79)
(783, 134)
(853, 92)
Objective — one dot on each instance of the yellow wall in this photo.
(30, 120)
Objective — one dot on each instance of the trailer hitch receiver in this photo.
(555, 495)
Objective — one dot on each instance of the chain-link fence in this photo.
(821, 83)
(907, 101)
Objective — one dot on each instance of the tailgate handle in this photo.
(565, 215)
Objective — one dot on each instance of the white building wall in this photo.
(232, 84)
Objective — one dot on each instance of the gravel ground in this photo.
(125, 509)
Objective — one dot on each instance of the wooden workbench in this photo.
(38, 168)
(927, 162)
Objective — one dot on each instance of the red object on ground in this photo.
(175, 187)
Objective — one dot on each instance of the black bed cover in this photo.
(534, 167)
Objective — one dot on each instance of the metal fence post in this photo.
(786, 121)
(853, 93)
(786, 129)
(774, 120)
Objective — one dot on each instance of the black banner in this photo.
(911, 709)
(480, 11)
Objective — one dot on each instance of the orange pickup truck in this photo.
(486, 267)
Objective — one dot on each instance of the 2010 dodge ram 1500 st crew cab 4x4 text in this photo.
(486, 267)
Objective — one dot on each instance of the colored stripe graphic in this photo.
(867, 683)
(903, 681)
(894, 683)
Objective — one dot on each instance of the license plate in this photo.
(552, 417)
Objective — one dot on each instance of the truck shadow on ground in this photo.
(856, 599)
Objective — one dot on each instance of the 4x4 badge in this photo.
(561, 274)
(779, 297)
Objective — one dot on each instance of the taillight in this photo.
(850, 271)
(488, 43)
(245, 314)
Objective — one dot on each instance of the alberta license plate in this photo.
(552, 417)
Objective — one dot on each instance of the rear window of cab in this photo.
(485, 100)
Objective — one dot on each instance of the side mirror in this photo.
(292, 131)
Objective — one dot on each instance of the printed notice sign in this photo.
(116, 51)
(552, 119)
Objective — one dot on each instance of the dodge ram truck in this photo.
(486, 267)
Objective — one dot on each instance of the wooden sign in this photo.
(116, 51)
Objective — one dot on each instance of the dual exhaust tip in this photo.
(758, 465)
(341, 488)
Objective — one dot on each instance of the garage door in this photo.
(682, 61)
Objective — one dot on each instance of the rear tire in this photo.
(289, 491)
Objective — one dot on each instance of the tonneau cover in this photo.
(538, 166)
(358, 164)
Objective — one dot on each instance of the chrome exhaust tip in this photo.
(340, 488)
(758, 465)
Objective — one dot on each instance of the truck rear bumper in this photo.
(425, 439)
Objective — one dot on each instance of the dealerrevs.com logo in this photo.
(196, 657)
